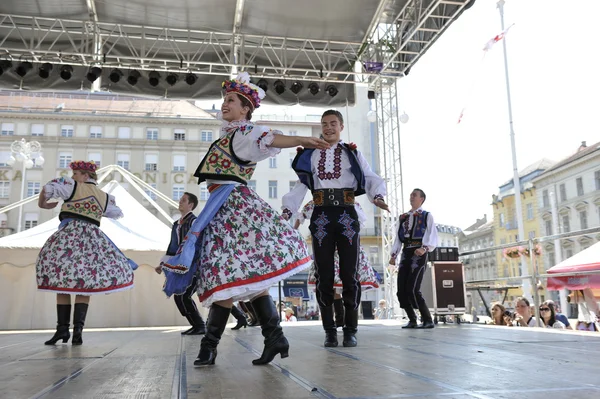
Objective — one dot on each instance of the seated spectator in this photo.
(289, 316)
(523, 316)
(381, 312)
(498, 315)
(559, 316)
(548, 316)
(585, 326)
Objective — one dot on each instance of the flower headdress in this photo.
(83, 165)
(242, 86)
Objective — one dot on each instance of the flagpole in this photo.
(516, 181)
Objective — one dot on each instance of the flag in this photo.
(490, 43)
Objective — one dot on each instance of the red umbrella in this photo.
(587, 260)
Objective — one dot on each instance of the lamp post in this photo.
(25, 152)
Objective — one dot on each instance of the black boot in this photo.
(254, 317)
(241, 318)
(425, 316)
(350, 327)
(217, 320)
(338, 307)
(275, 341)
(78, 321)
(198, 325)
(329, 326)
(63, 315)
(412, 318)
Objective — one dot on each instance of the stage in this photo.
(450, 361)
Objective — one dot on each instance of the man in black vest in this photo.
(335, 176)
(417, 236)
(186, 305)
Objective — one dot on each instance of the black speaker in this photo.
(371, 95)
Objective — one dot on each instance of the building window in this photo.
(152, 133)
(579, 182)
(4, 189)
(563, 192)
(179, 163)
(529, 211)
(66, 131)
(501, 220)
(272, 163)
(179, 134)
(252, 184)
(531, 235)
(64, 159)
(33, 188)
(545, 199)
(583, 219)
(566, 225)
(96, 157)
(206, 135)
(551, 259)
(124, 132)
(4, 156)
(293, 133)
(548, 227)
(292, 184)
(31, 220)
(151, 194)
(8, 129)
(178, 190)
(597, 179)
(151, 162)
(568, 253)
(123, 160)
(95, 132)
(37, 129)
(272, 188)
(203, 193)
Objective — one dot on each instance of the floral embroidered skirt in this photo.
(366, 274)
(245, 249)
(80, 259)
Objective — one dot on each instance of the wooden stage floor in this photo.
(450, 361)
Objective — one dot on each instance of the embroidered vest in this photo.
(417, 230)
(221, 163)
(303, 167)
(178, 236)
(87, 203)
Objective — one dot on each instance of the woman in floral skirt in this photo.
(79, 258)
(239, 246)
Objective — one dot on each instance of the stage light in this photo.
(279, 87)
(296, 87)
(371, 95)
(44, 70)
(5, 65)
(115, 75)
(66, 71)
(313, 88)
(331, 90)
(133, 77)
(190, 78)
(93, 74)
(153, 78)
(172, 78)
(23, 68)
(262, 83)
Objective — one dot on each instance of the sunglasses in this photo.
(544, 309)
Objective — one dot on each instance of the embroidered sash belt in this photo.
(333, 197)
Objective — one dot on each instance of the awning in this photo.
(585, 261)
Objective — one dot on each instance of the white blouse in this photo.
(62, 188)
(430, 239)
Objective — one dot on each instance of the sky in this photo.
(553, 70)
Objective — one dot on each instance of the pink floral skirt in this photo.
(245, 249)
(366, 274)
(80, 259)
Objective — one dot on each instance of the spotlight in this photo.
(279, 87)
(23, 68)
(5, 65)
(172, 78)
(262, 83)
(296, 87)
(115, 75)
(313, 88)
(371, 95)
(331, 90)
(190, 78)
(66, 71)
(133, 77)
(153, 78)
(93, 74)
(44, 70)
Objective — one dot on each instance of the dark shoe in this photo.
(63, 315)
(240, 317)
(217, 320)
(427, 324)
(411, 324)
(195, 331)
(79, 315)
(329, 326)
(275, 341)
(331, 340)
(198, 325)
(338, 310)
(349, 339)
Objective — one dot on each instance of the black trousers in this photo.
(336, 227)
(185, 303)
(410, 276)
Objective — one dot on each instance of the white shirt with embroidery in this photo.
(430, 238)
